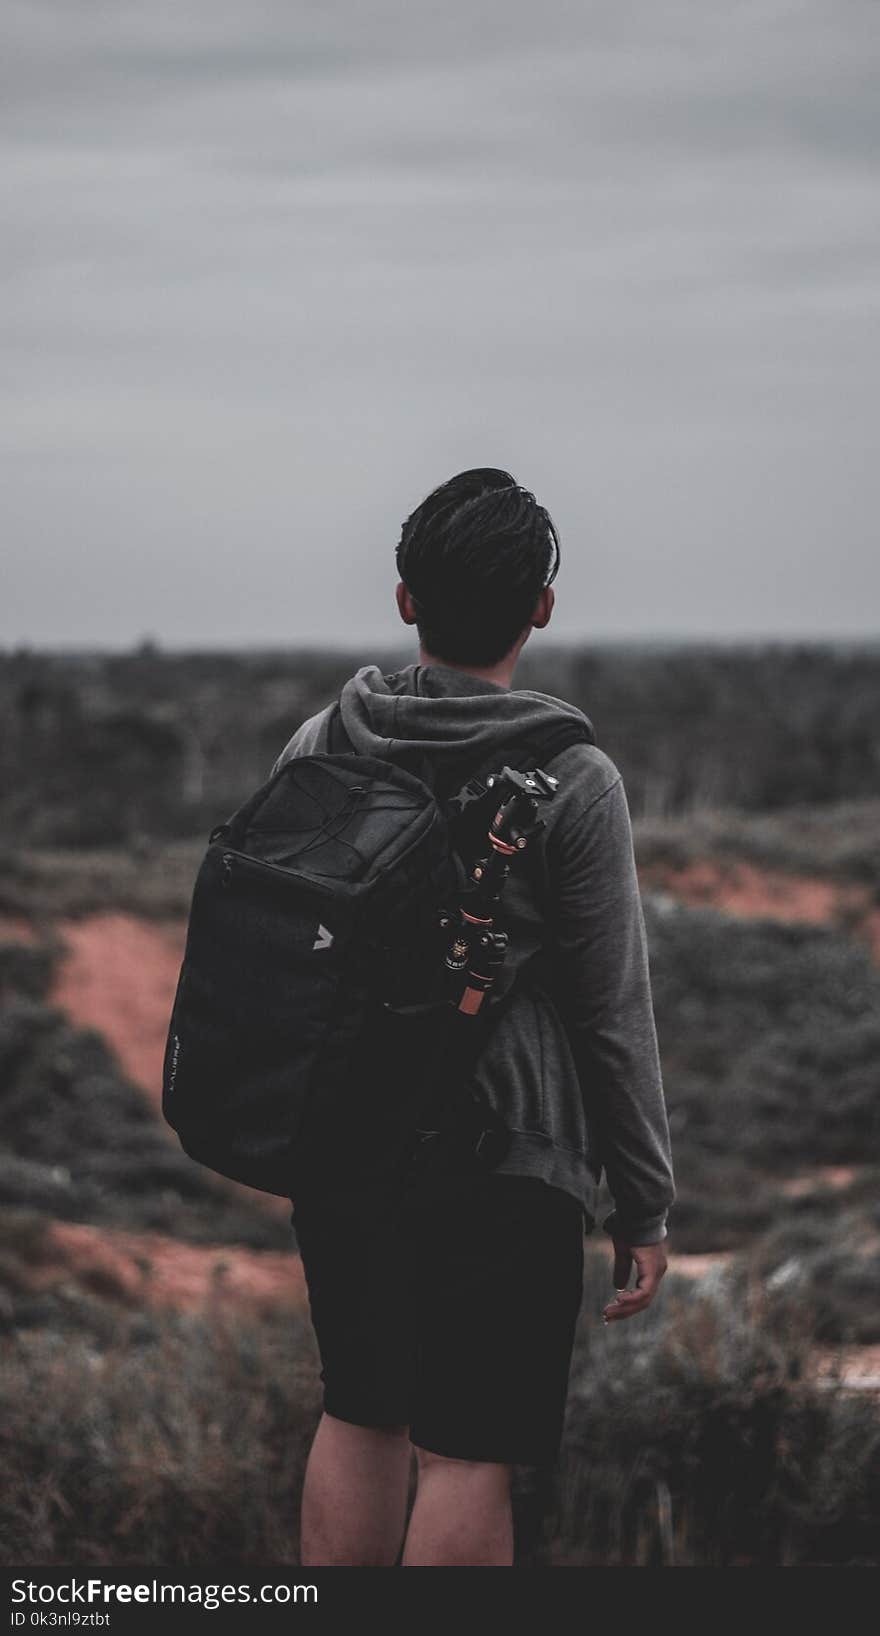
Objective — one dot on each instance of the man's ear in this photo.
(405, 604)
(544, 608)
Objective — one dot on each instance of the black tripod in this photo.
(475, 955)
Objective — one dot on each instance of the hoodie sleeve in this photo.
(599, 947)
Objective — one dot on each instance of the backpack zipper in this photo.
(256, 863)
(229, 858)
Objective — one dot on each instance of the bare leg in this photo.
(355, 1494)
(462, 1515)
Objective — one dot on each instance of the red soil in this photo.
(696, 1266)
(118, 976)
(837, 1177)
(148, 1269)
(744, 889)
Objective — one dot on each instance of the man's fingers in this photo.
(626, 1305)
(651, 1264)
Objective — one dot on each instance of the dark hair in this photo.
(474, 557)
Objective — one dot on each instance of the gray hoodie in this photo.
(587, 1093)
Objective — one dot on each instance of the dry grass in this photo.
(695, 1435)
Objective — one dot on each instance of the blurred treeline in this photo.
(106, 749)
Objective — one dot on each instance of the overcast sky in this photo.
(273, 270)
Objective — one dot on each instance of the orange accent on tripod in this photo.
(471, 1001)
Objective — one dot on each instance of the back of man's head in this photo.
(475, 557)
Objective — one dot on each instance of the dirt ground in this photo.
(764, 894)
(150, 1269)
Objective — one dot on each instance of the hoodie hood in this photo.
(441, 712)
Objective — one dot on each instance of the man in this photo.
(445, 1308)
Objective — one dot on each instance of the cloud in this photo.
(272, 273)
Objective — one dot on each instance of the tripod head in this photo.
(516, 819)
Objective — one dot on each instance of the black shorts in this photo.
(450, 1309)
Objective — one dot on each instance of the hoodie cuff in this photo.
(644, 1230)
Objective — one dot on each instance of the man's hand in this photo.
(650, 1262)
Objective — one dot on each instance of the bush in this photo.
(79, 1141)
(769, 1037)
(175, 1440)
(696, 1438)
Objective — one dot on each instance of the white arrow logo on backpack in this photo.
(323, 939)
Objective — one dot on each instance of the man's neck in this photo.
(501, 674)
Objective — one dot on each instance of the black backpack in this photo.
(314, 913)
